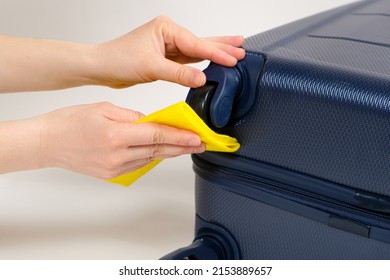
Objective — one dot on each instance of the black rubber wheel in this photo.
(201, 101)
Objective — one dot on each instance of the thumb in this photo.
(182, 74)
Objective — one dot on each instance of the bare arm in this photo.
(32, 64)
(157, 50)
(101, 139)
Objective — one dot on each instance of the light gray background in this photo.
(57, 214)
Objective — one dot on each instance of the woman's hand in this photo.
(158, 50)
(102, 140)
(99, 140)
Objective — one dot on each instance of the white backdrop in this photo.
(57, 214)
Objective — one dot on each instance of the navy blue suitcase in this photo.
(310, 105)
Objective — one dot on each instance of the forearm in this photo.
(20, 145)
(100, 140)
(157, 50)
(34, 64)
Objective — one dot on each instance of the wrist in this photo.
(105, 62)
(21, 145)
(85, 68)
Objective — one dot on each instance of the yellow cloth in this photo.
(182, 116)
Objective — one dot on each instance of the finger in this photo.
(160, 151)
(125, 168)
(178, 38)
(236, 41)
(141, 156)
(132, 166)
(210, 51)
(220, 53)
(233, 42)
(181, 74)
(228, 55)
(119, 114)
(142, 134)
(237, 53)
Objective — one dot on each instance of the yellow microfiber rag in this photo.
(181, 115)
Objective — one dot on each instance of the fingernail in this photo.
(241, 53)
(199, 79)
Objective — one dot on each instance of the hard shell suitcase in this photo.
(310, 105)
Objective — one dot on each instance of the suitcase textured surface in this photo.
(310, 105)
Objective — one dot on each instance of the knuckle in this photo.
(141, 163)
(155, 152)
(105, 105)
(181, 74)
(135, 115)
(111, 138)
(112, 163)
(111, 166)
(161, 19)
(185, 150)
(157, 137)
(108, 139)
